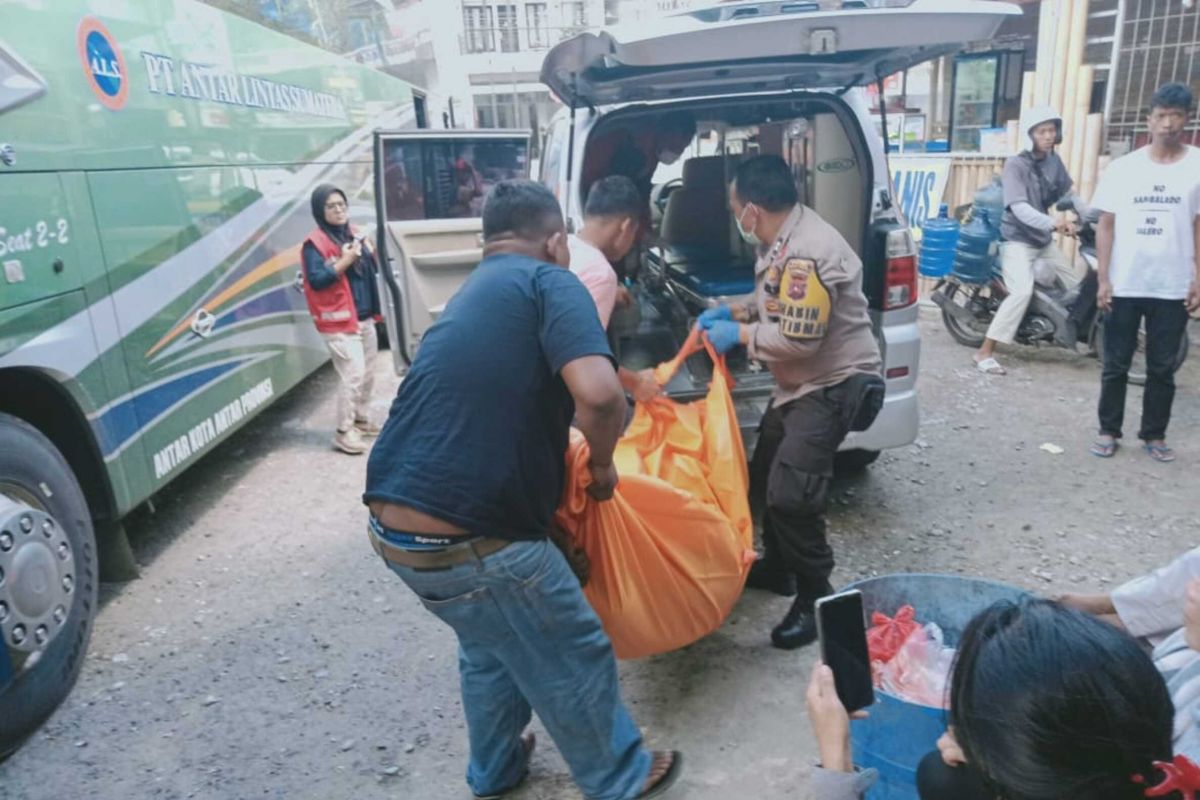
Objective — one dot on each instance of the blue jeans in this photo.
(528, 640)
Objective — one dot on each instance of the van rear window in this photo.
(447, 179)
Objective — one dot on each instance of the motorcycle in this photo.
(1058, 315)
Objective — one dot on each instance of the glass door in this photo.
(976, 80)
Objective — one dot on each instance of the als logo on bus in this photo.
(103, 63)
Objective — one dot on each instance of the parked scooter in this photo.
(1057, 315)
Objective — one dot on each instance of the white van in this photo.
(778, 77)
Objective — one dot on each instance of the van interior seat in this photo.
(696, 232)
(697, 214)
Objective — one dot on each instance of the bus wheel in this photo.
(47, 580)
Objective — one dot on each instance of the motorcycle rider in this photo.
(1034, 180)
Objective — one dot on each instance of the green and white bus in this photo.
(156, 161)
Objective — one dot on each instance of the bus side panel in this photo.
(143, 83)
(23, 348)
(212, 325)
(104, 375)
(200, 136)
(54, 294)
(40, 253)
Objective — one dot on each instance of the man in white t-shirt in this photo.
(611, 218)
(1148, 244)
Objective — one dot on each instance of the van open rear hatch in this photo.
(740, 48)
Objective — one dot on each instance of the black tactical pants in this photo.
(792, 469)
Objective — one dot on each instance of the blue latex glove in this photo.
(708, 317)
(724, 335)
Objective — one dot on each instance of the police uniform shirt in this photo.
(813, 327)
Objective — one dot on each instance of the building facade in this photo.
(1156, 41)
(479, 61)
(500, 50)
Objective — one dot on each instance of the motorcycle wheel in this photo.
(962, 295)
(1137, 367)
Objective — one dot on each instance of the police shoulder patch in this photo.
(804, 300)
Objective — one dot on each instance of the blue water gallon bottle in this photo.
(990, 198)
(939, 239)
(973, 256)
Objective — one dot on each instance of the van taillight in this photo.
(900, 283)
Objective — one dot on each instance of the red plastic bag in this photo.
(670, 552)
(920, 671)
(887, 634)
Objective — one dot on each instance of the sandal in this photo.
(990, 366)
(1104, 448)
(1159, 452)
(663, 784)
(529, 742)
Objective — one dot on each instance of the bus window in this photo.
(348, 32)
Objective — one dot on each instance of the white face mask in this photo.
(749, 236)
(668, 156)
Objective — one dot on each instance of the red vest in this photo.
(332, 308)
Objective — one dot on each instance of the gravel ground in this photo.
(265, 651)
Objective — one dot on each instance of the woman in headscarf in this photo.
(343, 298)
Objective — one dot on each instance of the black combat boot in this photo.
(799, 625)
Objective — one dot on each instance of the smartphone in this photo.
(842, 631)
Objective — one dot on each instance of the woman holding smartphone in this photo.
(343, 297)
(1046, 703)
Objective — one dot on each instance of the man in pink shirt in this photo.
(610, 230)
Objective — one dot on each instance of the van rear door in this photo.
(742, 48)
(429, 190)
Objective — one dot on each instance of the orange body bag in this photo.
(670, 552)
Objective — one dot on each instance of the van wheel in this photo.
(48, 580)
(849, 462)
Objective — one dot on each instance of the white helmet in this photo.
(1039, 115)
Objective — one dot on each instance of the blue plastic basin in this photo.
(898, 734)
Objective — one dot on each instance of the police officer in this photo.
(810, 326)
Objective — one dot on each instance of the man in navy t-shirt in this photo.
(463, 484)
